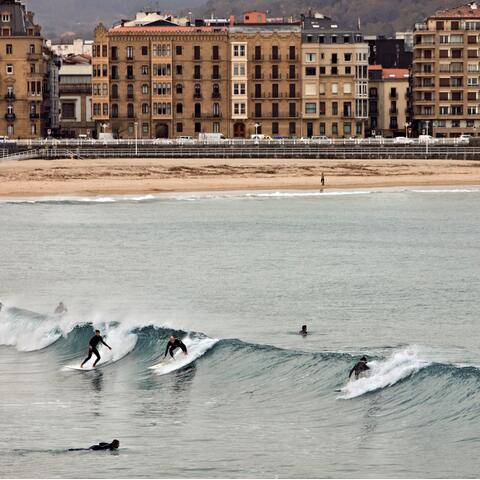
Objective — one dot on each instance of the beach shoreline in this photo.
(48, 178)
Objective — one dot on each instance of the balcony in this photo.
(9, 97)
(258, 77)
(258, 58)
(216, 95)
(197, 58)
(130, 77)
(393, 111)
(292, 58)
(197, 76)
(216, 77)
(276, 77)
(292, 77)
(32, 57)
(275, 58)
(393, 96)
(34, 116)
(10, 117)
(197, 96)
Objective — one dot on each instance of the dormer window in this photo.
(5, 17)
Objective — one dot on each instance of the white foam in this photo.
(196, 347)
(385, 373)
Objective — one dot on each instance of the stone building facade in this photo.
(28, 75)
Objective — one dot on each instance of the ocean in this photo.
(393, 274)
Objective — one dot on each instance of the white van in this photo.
(211, 137)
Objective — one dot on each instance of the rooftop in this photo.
(469, 10)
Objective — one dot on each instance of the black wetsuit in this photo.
(173, 346)
(94, 341)
(359, 367)
(102, 446)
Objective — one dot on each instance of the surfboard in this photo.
(86, 368)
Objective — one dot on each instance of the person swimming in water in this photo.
(303, 331)
(173, 344)
(359, 368)
(100, 446)
(106, 446)
(61, 309)
(92, 348)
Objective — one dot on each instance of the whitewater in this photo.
(388, 274)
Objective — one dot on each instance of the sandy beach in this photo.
(127, 176)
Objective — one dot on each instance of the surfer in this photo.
(303, 331)
(100, 446)
(106, 446)
(61, 309)
(173, 344)
(92, 348)
(359, 368)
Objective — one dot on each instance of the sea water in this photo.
(393, 274)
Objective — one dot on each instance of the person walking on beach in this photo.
(92, 348)
(173, 344)
(322, 180)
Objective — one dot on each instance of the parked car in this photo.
(184, 139)
(211, 137)
(464, 139)
(403, 140)
(426, 139)
(259, 136)
(322, 140)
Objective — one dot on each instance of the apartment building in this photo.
(389, 93)
(161, 80)
(76, 99)
(26, 84)
(446, 91)
(334, 65)
(265, 78)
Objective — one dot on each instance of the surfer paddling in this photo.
(303, 331)
(359, 368)
(100, 446)
(61, 309)
(92, 348)
(173, 344)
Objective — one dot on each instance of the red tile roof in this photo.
(397, 73)
(470, 10)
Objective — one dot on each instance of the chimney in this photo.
(473, 5)
(231, 20)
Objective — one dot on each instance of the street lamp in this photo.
(257, 126)
(136, 138)
(407, 124)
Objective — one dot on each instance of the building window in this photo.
(144, 53)
(215, 90)
(334, 129)
(239, 70)
(179, 88)
(145, 89)
(144, 69)
(197, 110)
(216, 109)
(258, 110)
(9, 69)
(275, 110)
(239, 50)
(216, 127)
(114, 110)
(145, 128)
(215, 53)
(198, 127)
(292, 128)
(275, 129)
(322, 129)
(310, 71)
(179, 127)
(178, 50)
(310, 108)
(68, 110)
(197, 52)
(179, 70)
(239, 108)
(5, 17)
(145, 108)
(179, 108)
(292, 110)
(161, 50)
(129, 53)
(130, 110)
(310, 57)
(9, 49)
(197, 91)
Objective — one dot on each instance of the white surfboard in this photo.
(196, 347)
(86, 368)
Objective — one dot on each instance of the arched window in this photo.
(130, 110)
(179, 88)
(114, 90)
(197, 90)
(114, 110)
(216, 109)
(216, 90)
(179, 107)
(145, 108)
(129, 90)
(198, 110)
